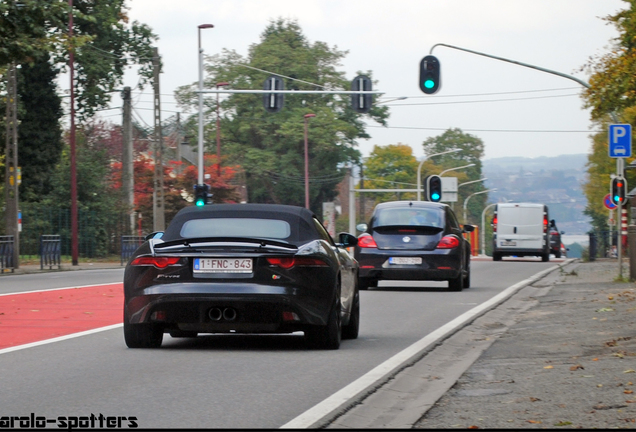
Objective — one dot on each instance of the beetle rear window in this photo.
(236, 227)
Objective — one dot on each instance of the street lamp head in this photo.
(309, 115)
(205, 26)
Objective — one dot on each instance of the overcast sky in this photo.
(516, 111)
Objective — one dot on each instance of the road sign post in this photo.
(620, 146)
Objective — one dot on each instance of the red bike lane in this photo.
(37, 316)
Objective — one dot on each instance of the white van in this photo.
(521, 229)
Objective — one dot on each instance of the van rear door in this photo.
(520, 227)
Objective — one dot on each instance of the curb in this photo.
(340, 402)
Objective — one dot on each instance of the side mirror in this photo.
(362, 227)
(562, 232)
(469, 228)
(154, 235)
(347, 240)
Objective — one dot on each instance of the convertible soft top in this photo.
(299, 218)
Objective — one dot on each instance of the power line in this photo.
(487, 130)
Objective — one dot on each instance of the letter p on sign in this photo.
(620, 140)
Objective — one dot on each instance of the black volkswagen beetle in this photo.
(413, 240)
(242, 268)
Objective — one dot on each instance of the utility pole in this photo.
(11, 164)
(157, 195)
(127, 169)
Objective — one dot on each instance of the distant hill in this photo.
(555, 181)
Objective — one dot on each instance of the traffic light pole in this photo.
(619, 161)
(619, 223)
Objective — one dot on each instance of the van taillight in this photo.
(545, 224)
(494, 224)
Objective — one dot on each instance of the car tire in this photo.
(456, 284)
(366, 283)
(466, 283)
(545, 257)
(328, 336)
(496, 256)
(350, 331)
(143, 335)
(557, 254)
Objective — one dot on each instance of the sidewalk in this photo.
(65, 266)
(559, 353)
(570, 361)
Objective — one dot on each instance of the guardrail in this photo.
(6, 253)
(50, 251)
(129, 244)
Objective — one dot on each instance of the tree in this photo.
(270, 147)
(391, 167)
(471, 152)
(612, 83)
(29, 28)
(112, 45)
(39, 134)
(612, 90)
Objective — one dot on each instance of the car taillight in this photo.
(494, 224)
(554, 232)
(545, 224)
(367, 241)
(289, 262)
(159, 262)
(448, 242)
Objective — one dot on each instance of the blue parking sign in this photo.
(620, 140)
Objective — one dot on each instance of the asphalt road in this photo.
(225, 381)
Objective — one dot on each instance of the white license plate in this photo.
(508, 243)
(405, 260)
(223, 265)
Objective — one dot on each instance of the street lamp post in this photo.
(200, 148)
(470, 196)
(307, 117)
(483, 228)
(455, 169)
(218, 131)
(419, 170)
(466, 183)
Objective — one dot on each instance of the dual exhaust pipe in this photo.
(227, 314)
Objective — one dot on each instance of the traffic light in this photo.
(617, 194)
(434, 188)
(429, 75)
(361, 102)
(201, 194)
(273, 102)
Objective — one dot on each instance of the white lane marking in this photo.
(58, 289)
(375, 378)
(59, 339)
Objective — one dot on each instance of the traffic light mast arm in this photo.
(561, 74)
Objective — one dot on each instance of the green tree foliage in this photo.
(270, 147)
(391, 167)
(39, 133)
(471, 152)
(112, 45)
(613, 90)
(30, 27)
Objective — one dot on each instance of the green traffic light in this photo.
(200, 203)
(429, 83)
(435, 196)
